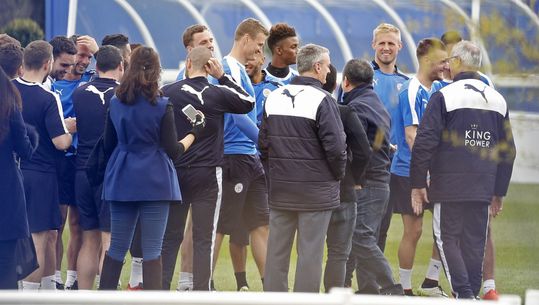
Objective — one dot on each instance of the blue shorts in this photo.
(66, 170)
(41, 191)
(94, 213)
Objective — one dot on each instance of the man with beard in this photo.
(86, 48)
(63, 52)
(413, 98)
(283, 44)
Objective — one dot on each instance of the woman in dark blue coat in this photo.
(140, 179)
(15, 142)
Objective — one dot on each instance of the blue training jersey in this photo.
(283, 80)
(413, 100)
(387, 87)
(262, 90)
(482, 77)
(236, 142)
(65, 88)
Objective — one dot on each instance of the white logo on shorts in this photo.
(238, 188)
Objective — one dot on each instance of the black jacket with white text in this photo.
(466, 143)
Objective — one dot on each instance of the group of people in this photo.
(267, 156)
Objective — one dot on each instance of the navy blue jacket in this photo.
(466, 143)
(376, 122)
(140, 167)
(303, 140)
(13, 220)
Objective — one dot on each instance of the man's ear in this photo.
(345, 83)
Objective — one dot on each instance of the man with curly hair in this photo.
(283, 44)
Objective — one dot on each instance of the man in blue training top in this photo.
(263, 87)
(86, 48)
(245, 198)
(413, 99)
(283, 44)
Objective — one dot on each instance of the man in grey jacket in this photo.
(302, 139)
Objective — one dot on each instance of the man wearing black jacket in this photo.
(303, 141)
(373, 271)
(199, 169)
(465, 142)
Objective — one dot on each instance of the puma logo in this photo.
(191, 90)
(482, 92)
(101, 95)
(59, 91)
(292, 97)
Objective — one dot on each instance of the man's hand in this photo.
(88, 42)
(496, 205)
(71, 125)
(214, 68)
(419, 198)
(392, 148)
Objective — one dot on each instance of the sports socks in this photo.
(48, 283)
(136, 272)
(241, 280)
(29, 286)
(58, 277)
(488, 285)
(405, 276)
(71, 278)
(185, 281)
(433, 271)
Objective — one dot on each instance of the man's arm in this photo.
(426, 142)
(332, 137)
(357, 141)
(506, 157)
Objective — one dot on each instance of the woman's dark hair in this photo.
(10, 99)
(141, 78)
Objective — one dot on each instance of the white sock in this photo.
(433, 272)
(48, 283)
(405, 276)
(71, 278)
(96, 282)
(29, 286)
(58, 277)
(136, 272)
(488, 285)
(185, 281)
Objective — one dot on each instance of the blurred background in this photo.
(507, 31)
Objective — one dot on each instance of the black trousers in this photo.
(460, 233)
(201, 188)
(177, 216)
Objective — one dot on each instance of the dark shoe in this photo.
(396, 289)
(152, 272)
(110, 273)
(59, 286)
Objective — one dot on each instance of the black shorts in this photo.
(400, 195)
(94, 212)
(66, 169)
(245, 198)
(41, 191)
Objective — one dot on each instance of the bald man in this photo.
(199, 169)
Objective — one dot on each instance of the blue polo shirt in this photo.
(413, 100)
(283, 80)
(387, 87)
(262, 90)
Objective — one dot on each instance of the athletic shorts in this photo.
(245, 198)
(94, 213)
(400, 195)
(66, 170)
(41, 191)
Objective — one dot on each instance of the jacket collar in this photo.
(357, 91)
(467, 75)
(307, 81)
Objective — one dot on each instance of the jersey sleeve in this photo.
(54, 121)
(407, 106)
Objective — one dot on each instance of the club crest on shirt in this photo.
(266, 92)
